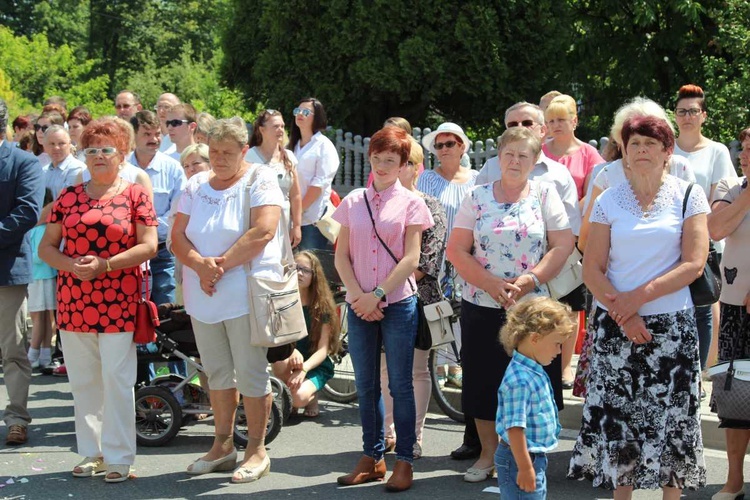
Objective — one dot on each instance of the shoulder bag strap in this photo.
(372, 219)
(687, 196)
(286, 244)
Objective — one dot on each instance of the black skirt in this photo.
(484, 361)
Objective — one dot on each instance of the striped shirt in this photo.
(525, 400)
(449, 194)
(393, 209)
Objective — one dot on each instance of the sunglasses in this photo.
(446, 144)
(43, 128)
(524, 123)
(106, 151)
(304, 270)
(302, 111)
(687, 112)
(175, 123)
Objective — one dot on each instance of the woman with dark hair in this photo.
(376, 255)
(318, 163)
(729, 220)
(45, 121)
(711, 163)
(266, 147)
(78, 119)
(644, 250)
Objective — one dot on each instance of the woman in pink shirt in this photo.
(376, 255)
(580, 158)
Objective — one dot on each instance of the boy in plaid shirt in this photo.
(527, 419)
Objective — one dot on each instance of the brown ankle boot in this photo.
(401, 478)
(367, 470)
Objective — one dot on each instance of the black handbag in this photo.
(423, 341)
(707, 288)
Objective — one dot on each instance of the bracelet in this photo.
(109, 267)
(537, 283)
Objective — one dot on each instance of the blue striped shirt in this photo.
(449, 194)
(525, 400)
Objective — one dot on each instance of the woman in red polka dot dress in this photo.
(108, 226)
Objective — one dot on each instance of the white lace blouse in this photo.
(645, 245)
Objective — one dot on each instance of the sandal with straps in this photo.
(89, 466)
(122, 471)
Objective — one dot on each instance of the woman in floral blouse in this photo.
(428, 287)
(509, 238)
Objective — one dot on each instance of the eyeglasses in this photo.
(38, 127)
(106, 151)
(159, 107)
(175, 123)
(681, 112)
(446, 144)
(524, 123)
(302, 111)
(304, 270)
(123, 106)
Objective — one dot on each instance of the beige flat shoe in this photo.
(201, 466)
(477, 475)
(246, 474)
(723, 495)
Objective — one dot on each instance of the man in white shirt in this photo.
(181, 125)
(127, 104)
(165, 102)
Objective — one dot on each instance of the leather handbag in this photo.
(423, 340)
(569, 278)
(438, 319)
(705, 290)
(276, 315)
(326, 225)
(146, 315)
(731, 382)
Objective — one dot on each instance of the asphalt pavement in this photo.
(306, 458)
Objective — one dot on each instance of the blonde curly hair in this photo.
(540, 315)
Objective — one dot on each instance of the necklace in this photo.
(98, 203)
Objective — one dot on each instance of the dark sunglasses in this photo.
(304, 270)
(524, 123)
(38, 127)
(175, 123)
(446, 144)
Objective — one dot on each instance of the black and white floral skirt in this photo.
(641, 419)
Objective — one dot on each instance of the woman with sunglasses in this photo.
(109, 229)
(711, 163)
(45, 121)
(266, 147)
(318, 164)
(376, 255)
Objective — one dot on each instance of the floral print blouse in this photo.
(510, 239)
(433, 249)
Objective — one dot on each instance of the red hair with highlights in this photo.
(106, 131)
(691, 91)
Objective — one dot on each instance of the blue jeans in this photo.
(507, 473)
(312, 239)
(396, 333)
(704, 320)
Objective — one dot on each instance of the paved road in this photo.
(306, 458)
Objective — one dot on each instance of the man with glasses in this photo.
(181, 125)
(127, 104)
(168, 180)
(20, 204)
(164, 103)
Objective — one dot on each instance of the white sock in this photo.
(45, 355)
(33, 354)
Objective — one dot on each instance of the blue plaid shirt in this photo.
(525, 400)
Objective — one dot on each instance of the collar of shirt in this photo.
(154, 164)
(63, 164)
(528, 363)
(385, 194)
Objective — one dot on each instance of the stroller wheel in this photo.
(283, 396)
(273, 426)
(158, 416)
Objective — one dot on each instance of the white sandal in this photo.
(122, 471)
(89, 466)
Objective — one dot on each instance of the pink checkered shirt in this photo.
(393, 209)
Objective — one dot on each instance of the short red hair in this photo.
(391, 139)
(106, 130)
(692, 91)
(649, 126)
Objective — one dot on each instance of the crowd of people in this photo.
(189, 207)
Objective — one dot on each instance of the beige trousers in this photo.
(16, 366)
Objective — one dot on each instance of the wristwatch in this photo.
(537, 283)
(379, 293)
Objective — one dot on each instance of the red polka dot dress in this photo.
(106, 304)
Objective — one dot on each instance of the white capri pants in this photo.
(102, 370)
(229, 359)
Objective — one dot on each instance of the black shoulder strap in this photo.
(372, 219)
(685, 200)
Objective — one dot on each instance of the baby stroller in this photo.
(168, 402)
